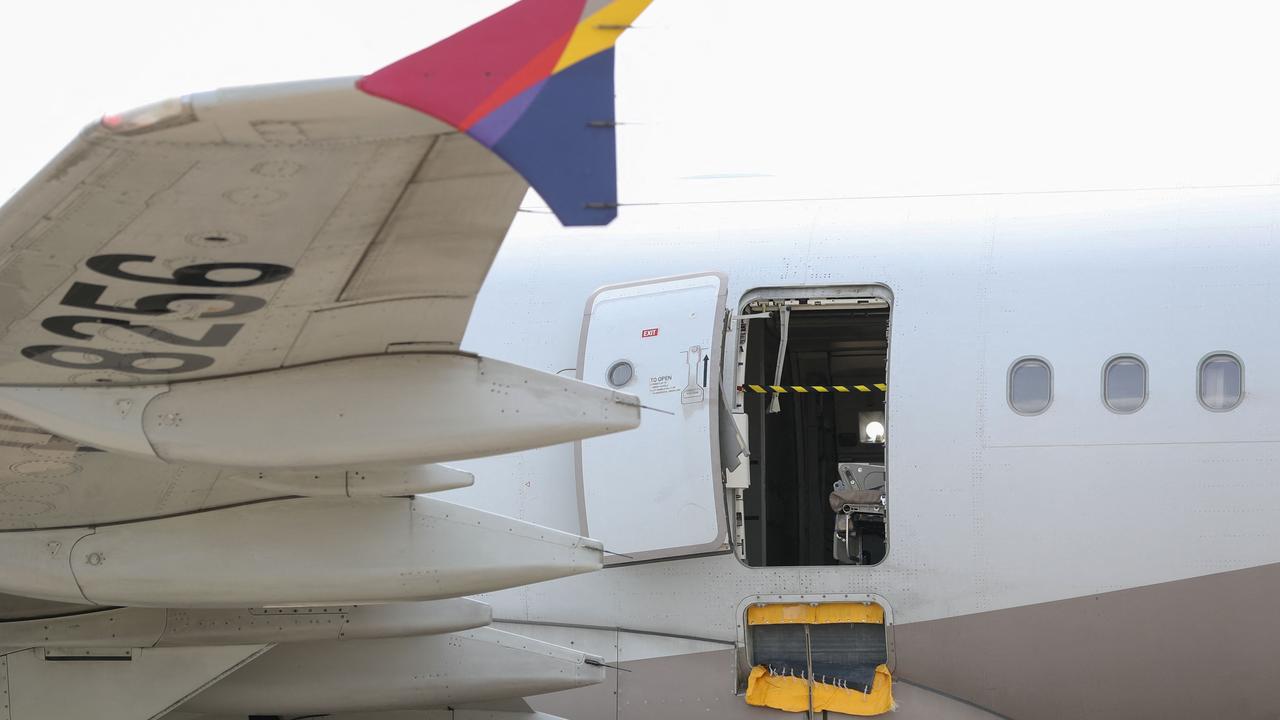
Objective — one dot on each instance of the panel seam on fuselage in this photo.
(609, 628)
(949, 696)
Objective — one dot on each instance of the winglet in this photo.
(533, 83)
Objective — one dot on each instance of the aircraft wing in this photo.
(222, 311)
(230, 368)
(231, 232)
(253, 230)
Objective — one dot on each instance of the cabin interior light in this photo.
(872, 427)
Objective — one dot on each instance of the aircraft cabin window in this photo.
(1124, 384)
(1030, 386)
(1221, 384)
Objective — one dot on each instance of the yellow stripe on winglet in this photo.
(600, 31)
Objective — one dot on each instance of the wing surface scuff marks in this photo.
(114, 287)
(62, 484)
(86, 219)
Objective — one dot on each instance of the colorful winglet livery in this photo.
(533, 83)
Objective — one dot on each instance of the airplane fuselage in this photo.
(1080, 560)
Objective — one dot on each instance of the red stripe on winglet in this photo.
(535, 72)
(452, 78)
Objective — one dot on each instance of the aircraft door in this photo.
(656, 491)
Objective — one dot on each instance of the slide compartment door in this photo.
(655, 491)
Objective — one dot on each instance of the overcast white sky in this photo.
(795, 98)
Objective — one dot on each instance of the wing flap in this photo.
(358, 328)
(447, 227)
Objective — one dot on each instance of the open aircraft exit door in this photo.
(656, 491)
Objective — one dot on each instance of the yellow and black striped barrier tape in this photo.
(801, 389)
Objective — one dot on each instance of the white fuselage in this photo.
(989, 509)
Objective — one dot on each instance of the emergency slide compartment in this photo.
(805, 654)
(656, 491)
(812, 379)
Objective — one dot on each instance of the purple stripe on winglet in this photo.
(564, 144)
(490, 129)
